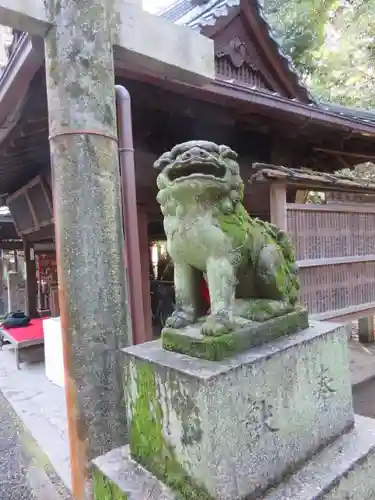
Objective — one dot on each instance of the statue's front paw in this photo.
(216, 325)
(180, 319)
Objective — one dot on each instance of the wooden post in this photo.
(88, 226)
(15, 260)
(2, 283)
(145, 269)
(31, 281)
(278, 206)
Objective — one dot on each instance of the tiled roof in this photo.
(177, 10)
(208, 12)
(353, 113)
(197, 17)
(310, 178)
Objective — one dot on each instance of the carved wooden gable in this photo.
(247, 52)
(238, 58)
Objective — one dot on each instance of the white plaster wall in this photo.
(53, 351)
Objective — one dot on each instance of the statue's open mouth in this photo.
(202, 169)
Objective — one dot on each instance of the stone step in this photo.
(116, 475)
(343, 470)
(231, 429)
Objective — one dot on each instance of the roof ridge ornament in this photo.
(237, 52)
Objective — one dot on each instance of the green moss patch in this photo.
(148, 444)
(105, 489)
(217, 348)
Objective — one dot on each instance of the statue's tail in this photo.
(291, 268)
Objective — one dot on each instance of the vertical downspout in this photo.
(130, 214)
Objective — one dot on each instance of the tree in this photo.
(332, 44)
(300, 28)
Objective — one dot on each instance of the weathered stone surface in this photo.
(180, 53)
(117, 471)
(232, 428)
(88, 222)
(249, 264)
(344, 470)
(190, 341)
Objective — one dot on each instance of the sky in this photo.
(155, 5)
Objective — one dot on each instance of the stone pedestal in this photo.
(275, 422)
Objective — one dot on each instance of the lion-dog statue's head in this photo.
(199, 168)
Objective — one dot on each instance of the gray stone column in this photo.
(31, 281)
(16, 292)
(366, 329)
(89, 239)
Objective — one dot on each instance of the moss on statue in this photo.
(223, 346)
(201, 194)
(105, 489)
(148, 444)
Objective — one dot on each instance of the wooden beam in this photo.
(145, 264)
(11, 245)
(343, 162)
(345, 153)
(25, 15)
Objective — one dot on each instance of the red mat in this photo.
(33, 331)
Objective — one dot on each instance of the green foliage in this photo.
(148, 444)
(300, 27)
(332, 44)
(104, 489)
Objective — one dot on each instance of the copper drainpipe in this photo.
(130, 214)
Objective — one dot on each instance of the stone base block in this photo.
(345, 469)
(190, 341)
(116, 475)
(231, 429)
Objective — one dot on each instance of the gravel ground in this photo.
(13, 477)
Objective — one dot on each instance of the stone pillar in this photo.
(16, 292)
(31, 281)
(88, 225)
(366, 329)
(145, 268)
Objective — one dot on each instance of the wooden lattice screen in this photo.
(335, 247)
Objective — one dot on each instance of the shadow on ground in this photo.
(364, 398)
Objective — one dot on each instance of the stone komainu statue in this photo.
(250, 265)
